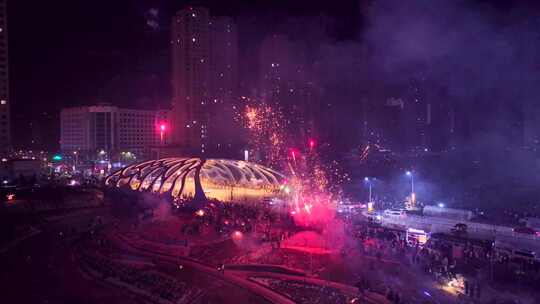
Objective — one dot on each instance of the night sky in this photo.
(69, 53)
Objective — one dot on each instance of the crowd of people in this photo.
(464, 264)
(218, 224)
(249, 218)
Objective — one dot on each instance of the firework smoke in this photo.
(315, 185)
(265, 124)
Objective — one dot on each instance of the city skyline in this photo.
(109, 62)
(148, 87)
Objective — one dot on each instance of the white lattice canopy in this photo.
(220, 179)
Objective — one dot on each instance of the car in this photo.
(524, 230)
(459, 229)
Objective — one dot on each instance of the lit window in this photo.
(3, 101)
(193, 39)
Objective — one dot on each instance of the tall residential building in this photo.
(190, 69)
(223, 84)
(5, 137)
(204, 76)
(276, 67)
(92, 129)
(286, 79)
(223, 59)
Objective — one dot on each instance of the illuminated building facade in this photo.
(5, 137)
(92, 129)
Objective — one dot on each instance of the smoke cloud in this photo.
(476, 64)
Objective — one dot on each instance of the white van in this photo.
(394, 212)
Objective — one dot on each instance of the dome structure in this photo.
(185, 178)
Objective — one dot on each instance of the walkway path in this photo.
(228, 276)
(346, 289)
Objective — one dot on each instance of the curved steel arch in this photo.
(183, 178)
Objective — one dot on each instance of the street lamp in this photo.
(76, 158)
(311, 144)
(162, 129)
(410, 173)
(368, 181)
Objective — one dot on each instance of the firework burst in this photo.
(315, 184)
(266, 132)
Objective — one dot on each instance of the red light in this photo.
(237, 235)
(162, 127)
(311, 143)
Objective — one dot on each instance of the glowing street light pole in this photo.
(413, 196)
(368, 181)
(76, 158)
(311, 144)
(162, 129)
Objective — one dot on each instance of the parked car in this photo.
(524, 230)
